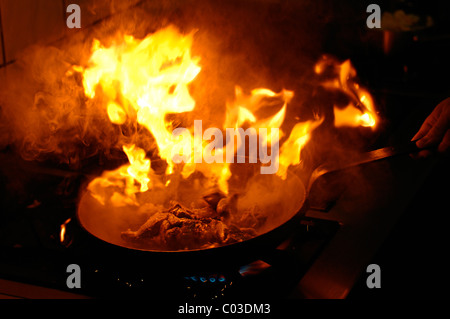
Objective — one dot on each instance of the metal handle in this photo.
(364, 158)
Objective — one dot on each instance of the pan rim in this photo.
(298, 212)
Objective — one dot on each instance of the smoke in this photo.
(252, 44)
(46, 112)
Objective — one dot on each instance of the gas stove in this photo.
(324, 258)
(34, 251)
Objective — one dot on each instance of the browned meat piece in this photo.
(180, 228)
(235, 234)
(149, 229)
(193, 233)
(213, 199)
(227, 207)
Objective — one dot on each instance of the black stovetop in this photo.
(31, 252)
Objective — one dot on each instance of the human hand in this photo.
(435, 130)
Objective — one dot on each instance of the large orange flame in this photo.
(151, 75)
(143, 81)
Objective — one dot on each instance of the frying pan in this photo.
(289, 203)
(286, 198)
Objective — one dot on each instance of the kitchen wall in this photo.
(27, 22)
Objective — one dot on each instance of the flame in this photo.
(299, 136)
(351, 116)
(242, 110)
(292, 147)
(116, 113)
(142, 81)
(152, 75)
(367, 120)
(139, 166)
(145, 80)
(62, 232)
(361, 109)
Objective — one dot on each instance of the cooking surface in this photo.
(324, 259)
(39, 258)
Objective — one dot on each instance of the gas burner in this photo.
(43, 261)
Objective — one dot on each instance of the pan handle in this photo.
(364, 158)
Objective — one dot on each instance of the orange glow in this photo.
(159, 88)
(361, 109)
(153, 91)
(116, 113)
(139, 166)
(142, 81)
(62, 233)
(292, 147)
(351, 116)
(367, 120)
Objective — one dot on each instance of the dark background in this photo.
(413, 260)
